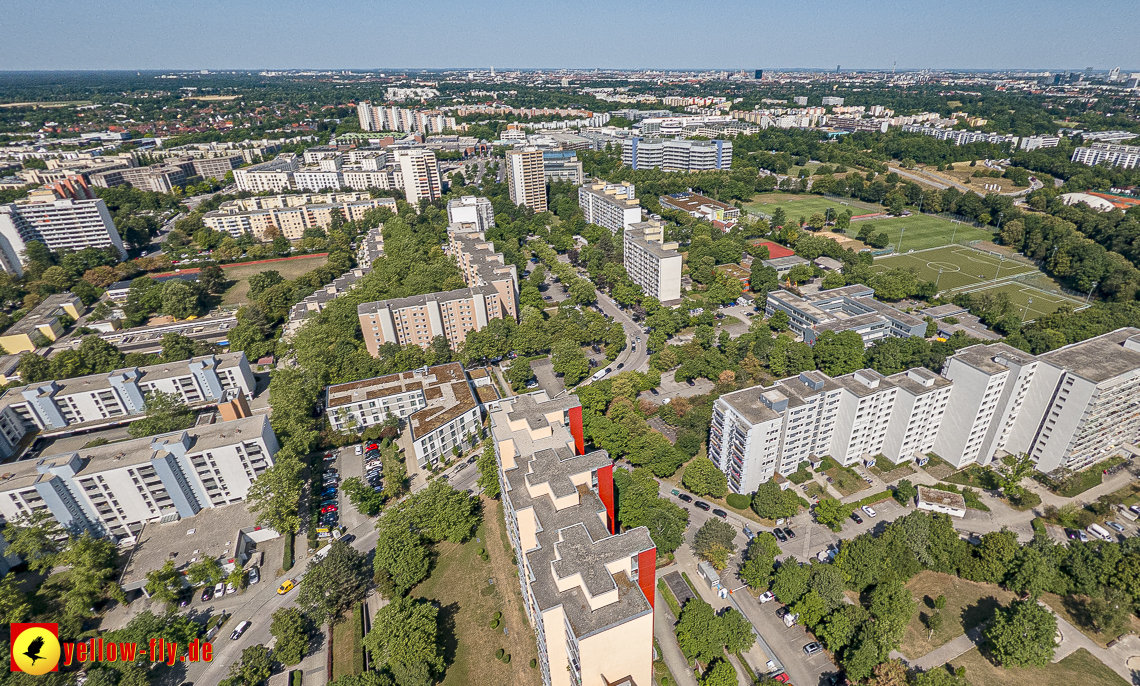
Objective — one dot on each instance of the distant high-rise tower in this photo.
(526, 178)
(838, 67)
(759, 74)
(492, 71)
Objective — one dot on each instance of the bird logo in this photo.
(35, 648)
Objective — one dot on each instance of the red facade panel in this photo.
(647, 573)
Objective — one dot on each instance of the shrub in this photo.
(486, 557)
(739, 501)
(497, 615)
(533, 663)
(482, 552)
(499, 654)
(507, 659)
(287, 560)
(494, 624)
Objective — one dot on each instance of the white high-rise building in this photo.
(652, 263)
(610, 205)
(917, 416)
(59, 223)
(419, 172)
(990, 384)
(526, 178)
(471, 210)
(864, 413)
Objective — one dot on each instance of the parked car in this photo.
(348, 538)
(328, 508)
(767, 596)
(1115, 525)
(856, 518)
(230, 588)
(748, 533)
(254, 576)
(472, 459)
(782, 677)
(239, 630)
(686, 497)
(207, 593)
(789, 533)
(812, 648)
(720, 513)
(780, 535)
(781, 611)
(703, 505)
(359, 450)
(219, 589)
(869, 510)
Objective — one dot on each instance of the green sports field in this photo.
(806, 205)
(1032, 302)
(955, 267)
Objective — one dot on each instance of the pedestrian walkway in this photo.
(946, 652)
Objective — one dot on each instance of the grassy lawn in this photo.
(1072, 609)
(806, 205)
(288, 269)
(974, 477)
(1079, 668)
(967, 605)
(921, 231)
(458, 584)
(346, 645)
(846, 481)
(1080, 482)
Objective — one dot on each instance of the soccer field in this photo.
(922, 231)
(954, 267)
(1031, 302)
(806, 205)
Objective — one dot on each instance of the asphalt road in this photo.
(629, 358)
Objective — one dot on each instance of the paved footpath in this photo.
(663, 621)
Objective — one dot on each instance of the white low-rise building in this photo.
(116, 488)
(944, 502)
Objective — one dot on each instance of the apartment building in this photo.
(439, 404)
(849, 308)
(371, 247)
(526, 178)
(114, 489)
(588, 591)
(863, 416)
(319, 299)
(919, 407)
(652, 263)
(57, 222)
(217, 167)
(610, 205)
(419, 172)
(482, 266)
(1083, 405)
(265, 221)
(44, 320)
(160, 178)
(562, 166)
(1029, 143)
(1123, 156)
(759, 432)
(676, 155)
(380, 118)
(120, 395)
(420, 318)
(696, 205)
(990, 386)
(471, 210)
(273, 176)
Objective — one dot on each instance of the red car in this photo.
(782, 677)
(373, 446)
(328, 508)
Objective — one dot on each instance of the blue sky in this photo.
(729, 34)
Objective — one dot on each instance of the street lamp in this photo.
(938, 279)
(1095, 284)
(901, 231)
(1026, 310)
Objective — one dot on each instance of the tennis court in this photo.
(955, 267)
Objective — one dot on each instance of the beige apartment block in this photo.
(526, 178)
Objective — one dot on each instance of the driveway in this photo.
(547, 379)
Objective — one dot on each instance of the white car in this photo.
(870, 512)
(219, 589)
(767, 596)
(359, 450)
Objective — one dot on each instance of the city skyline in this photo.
(970, 35)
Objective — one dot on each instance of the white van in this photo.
(1100, 532)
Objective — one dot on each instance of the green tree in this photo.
(291, 630)
(177, 347)
(771, 502)
(720, 673)
(205, 571)
(832, 513)
(165, 412)
(488, 470)
(568, 360)
(34, 537)
(791, 582)
(334, 584)
(779, 321)
(180, 299)
(404, 641)
(704, 478)
(905, 492)
(213, 279)
(519, 374)
(697, 631)
(801, 273)
(840, 353)
(760, 561)
(401, 553)
(274, 496)
(713, 542)
(164, 584)
(253, 669)
(14, 605)
(92, 577)
(1022, 634)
